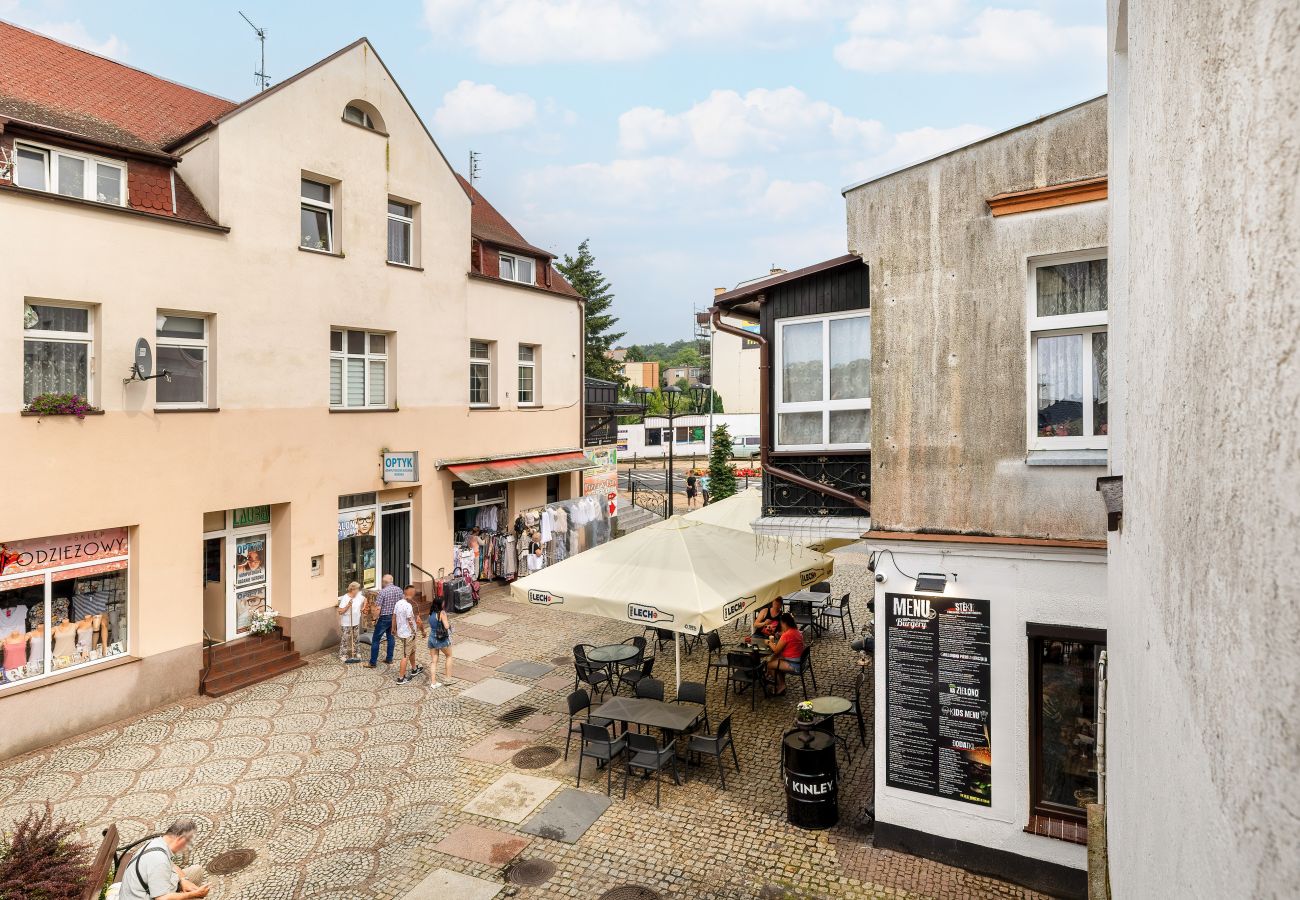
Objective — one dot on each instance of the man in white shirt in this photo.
(405, 625)
(350, 623)
(151, 875)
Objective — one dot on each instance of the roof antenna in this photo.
(473, 172)
(263, 81)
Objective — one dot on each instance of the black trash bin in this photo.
(811, 777)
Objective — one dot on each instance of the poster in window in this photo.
(356, 524)
(368, 567)
(247, 603)
(250, 560)
(937, 690)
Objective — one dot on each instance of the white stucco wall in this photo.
(744, 425)
(734, 368)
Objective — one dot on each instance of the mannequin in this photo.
(15, 650)
(65, 637)
(99, 622)
(36, 650)
(85, 636)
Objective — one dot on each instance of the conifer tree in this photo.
(722, 474)
(588, 281)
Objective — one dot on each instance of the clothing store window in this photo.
(58, 350)
(1063, 718)
(56, 614)
(359, 369)
(317, 216)
(401, 233)
(516, 268)
(480, 373)
(183, 352)
(528, 375)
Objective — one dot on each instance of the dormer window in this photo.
(516, 268)
(42, 168)
(363, 115)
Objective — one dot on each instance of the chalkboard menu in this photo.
(937, 692)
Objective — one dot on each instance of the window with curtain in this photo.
(182, 350)
(1068, 345)
(317, 216)
(480, 373)
(527, 395)
(824, 389)
(58, 347)
(84, 177)
(401, 233)
(359, 369)
(516, 268)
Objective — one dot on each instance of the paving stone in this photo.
(445, 883)
(541, 721)
(498, 747)
(495, 660)
(567, 817)
(486, 618)
(511, 797)
(483, 845)
(526, 668)
(472, 650)
(556, 683)
(470, 672)
(495, 691)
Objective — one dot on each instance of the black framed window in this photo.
(1063, 665)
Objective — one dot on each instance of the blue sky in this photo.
(696, 142)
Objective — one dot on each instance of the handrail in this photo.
(208, 643)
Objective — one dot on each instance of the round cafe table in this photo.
(830, 706)
(612, 653)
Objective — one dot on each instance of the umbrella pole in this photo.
(677, 656)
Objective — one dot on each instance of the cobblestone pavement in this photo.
(345, 783)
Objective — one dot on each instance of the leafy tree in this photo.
(587, 280)
(636, 353)
(686, 356)
(722, 474)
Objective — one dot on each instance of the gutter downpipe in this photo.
(765, 415)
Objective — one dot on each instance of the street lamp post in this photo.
(672, 396)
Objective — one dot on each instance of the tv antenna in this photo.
(473, 171)
(263, 82)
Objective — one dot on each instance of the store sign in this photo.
(602, 481)
(401, 466)
(937, 691)
(250, 515)
(38, 554)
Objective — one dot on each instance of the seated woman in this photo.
(787, 652)
(765, 619)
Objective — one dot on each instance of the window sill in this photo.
(187, 409)
(383, 134)
(475, 407)
(529, 405)
(1072, 457)
(336, 255)
(362, 409)
(397, 265)
(1060, 829)
(40, 415)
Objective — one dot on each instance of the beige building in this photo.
(733, 367)
(361, 360)
(641, 374)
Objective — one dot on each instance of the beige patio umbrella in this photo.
(681, 575)
(740, 510)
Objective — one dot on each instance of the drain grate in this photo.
(231, 861)
(530, 872)
(629, 892)
(535, 757)
(516, 715)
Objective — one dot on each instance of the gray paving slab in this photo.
(568, 816)
(526, 668)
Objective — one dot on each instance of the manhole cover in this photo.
(562, 660)
(516, 715)
(629, 892)
(530, 871)
(231, 861)
(535, 757)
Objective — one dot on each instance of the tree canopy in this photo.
(588, 281)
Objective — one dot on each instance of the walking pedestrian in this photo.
(439, 641)
(405, 624)
(350, 605)
(690, 489)
(389, 594)
(704, 488)
(151, 873)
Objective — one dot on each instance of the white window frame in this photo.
(824, 406)
(368, 356)
(65, 337)
(1084, 324)
(328, 208)
(409, 222)
(89, 161)
(366, 120)
(515, 259)
(489, 361)
(531, 365)
(203, 343)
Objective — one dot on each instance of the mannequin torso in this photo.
(15, 650)
(65, 636)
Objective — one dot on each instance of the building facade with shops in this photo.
(352, 342)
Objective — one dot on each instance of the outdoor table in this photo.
(830, 706)
(813, 597)
(675, 717)
(612, 653)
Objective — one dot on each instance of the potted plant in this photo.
(264, 621)
(53, 403)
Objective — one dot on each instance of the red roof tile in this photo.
(490, 227)
(53, 84)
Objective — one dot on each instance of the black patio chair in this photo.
(714, 744)
(644, 752)
(804, 617)
(580, 701)
(856, 709)
(632, 664)
(694, 692)
(663, 636)
(596, 679)
(634, 676)
(649, 689)
(821, 587)
(714, 643)
(598, 745)
(806, 670)
(744, 669)
(839, 609)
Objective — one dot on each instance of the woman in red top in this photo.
(787, 652)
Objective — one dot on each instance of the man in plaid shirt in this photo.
(389, 594)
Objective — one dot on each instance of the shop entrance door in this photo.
(214, 587)
(395, 543)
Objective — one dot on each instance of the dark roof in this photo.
(738, 295)
(489, 226)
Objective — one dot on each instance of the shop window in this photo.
(1063, 713)
(58, 350)
(401, 233)
(359, 369)
(358, 548)
(527, 395)
(823, 391)
(43, 168)
(183, 351)
(63, 603)
(317, 215)
(1069, 391)
(480, 373)
(653, 437)
(516, 268)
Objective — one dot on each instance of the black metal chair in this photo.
(714, 644)
(634, 676)
(804, 617)
(856, 709)
(821, 587)
(806, 669)
(644, 752)
(744, 670)
(596, 679)
(694, 692)
(649, 689)
(839, 609)
(714, 744)
(598, 745)
(620, 670)
(662, 636)
(580, 701)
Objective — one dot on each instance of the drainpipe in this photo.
(765, 414)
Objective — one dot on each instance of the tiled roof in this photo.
(489, 226)
(53, 84)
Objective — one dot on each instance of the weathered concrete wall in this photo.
(1204, 734)
(949, 284)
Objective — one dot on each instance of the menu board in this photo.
(938, 698)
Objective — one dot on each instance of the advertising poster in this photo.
(250, 560)
(602, 481)
(356, 524)
(938, 697)
(248, 602)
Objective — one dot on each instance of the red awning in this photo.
(492, 471)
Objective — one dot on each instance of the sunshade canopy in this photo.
(681, 575)
(740, 511)
(491, 471)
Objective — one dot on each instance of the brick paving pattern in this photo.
(348, 785)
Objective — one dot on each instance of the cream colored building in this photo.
(734, 370)
(402, 328)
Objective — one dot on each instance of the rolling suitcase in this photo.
(458, 594)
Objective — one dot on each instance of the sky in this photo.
(696, 143)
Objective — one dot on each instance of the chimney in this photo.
(775, 271)
(717, 291)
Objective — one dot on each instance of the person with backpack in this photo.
(151, 874)
(439, 641)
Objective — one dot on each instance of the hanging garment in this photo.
(12, 619)
(548, 523)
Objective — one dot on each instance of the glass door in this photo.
(395, 542)
(248, 555)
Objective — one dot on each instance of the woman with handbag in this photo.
(439, 641)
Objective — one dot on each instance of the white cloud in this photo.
(952, 36)
(915, 146)
(783, 199)
(727, 124)
(70, 31)
(471, 108)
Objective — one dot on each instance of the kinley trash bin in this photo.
(811, 778)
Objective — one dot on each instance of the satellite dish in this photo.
(142, 364)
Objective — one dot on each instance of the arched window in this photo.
(359, 112)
